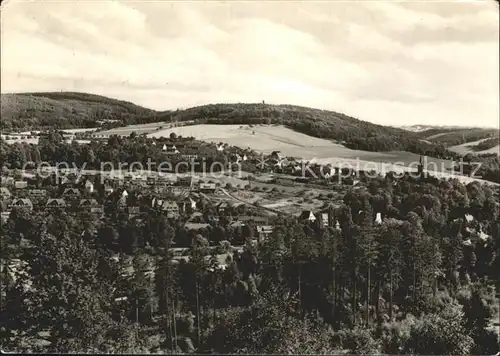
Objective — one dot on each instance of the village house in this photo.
(324, 220)
(296, 169)
(168, 206)
(133, 211)
(196, 226)
(98, 209)
(196, 217)
(22, 203)
(88, 204)
(262, 220)
(55, 204)
(237, 207)
(207, 188)
(7, 181)
(264, 231)
(71, 193)
(189, 157)
(307, 216)
(222, 208)
(170, 149)
(175, 190)
(166, 179)
(188, 205)
(5, 205)
(139, 183)
(212, 218)
(220, 147)
(4, 217)
(89, 186)
(108, 189)
(37, 193)
(221, 261)
(326, 217)
(468, 218)
(236, 224)
(123, 200)
(350, 181)
(277, 155)
(70, 178)
(236, 158)
(5, 193)
(20, 184)
(151, 180)
(186, 181)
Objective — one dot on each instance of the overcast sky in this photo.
(387, 62)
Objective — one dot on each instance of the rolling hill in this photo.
(72, 110)
(349, 131)
(30, 111)
(483, 146)
(452, 136)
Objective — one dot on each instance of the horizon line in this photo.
(263, 102)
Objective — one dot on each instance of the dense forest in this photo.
(421, 282)
(66, 110)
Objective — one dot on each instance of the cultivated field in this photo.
(138, 129)
(289, 201)
(291, 143)
(268, 138)
(464, 148)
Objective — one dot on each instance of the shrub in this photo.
(359, 341)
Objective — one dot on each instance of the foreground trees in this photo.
(407, 285)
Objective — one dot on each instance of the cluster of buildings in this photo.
(177, 196)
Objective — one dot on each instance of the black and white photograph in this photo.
(284, 177)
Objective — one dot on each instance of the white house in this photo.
(378, 219)
(483, 236)
(308, 215)
(89, 186)
(467, 242)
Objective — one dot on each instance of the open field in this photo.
(289, 201)
(464, 148)
(265, 138)
(34, 140)
(138, 129)
(80, 130)
(291, 143)
(64, 130)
